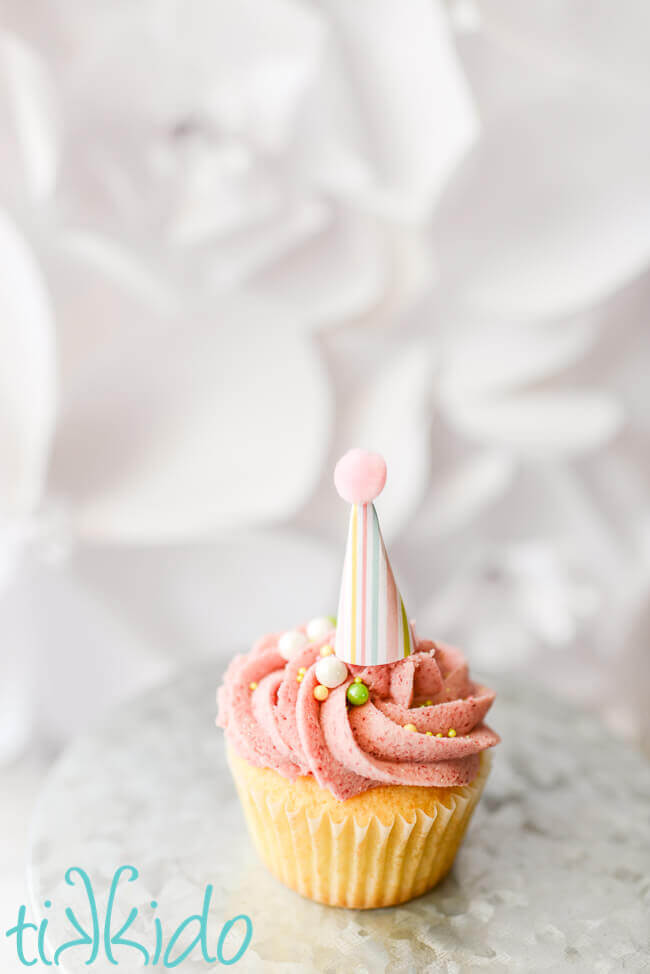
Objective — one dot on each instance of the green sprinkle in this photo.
(358, 694)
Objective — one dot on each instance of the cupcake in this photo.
(359, 750)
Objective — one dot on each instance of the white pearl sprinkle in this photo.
(318, 628)
(331, 671)
(291, 643)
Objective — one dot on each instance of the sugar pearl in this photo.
(358, 694)
(429, 733)
(331, 671)
(252, 686)
(451, 733)
(320, 692)
(410, 727)
(326, 650)
(291, 643)
(318, 628)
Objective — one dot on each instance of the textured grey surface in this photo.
(554, 873)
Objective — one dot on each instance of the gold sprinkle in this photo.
(300, 677)
(326, 650)
(252, 686)
(358, 679)
(410, 727)
(428, 703)
(320, 692)
(439, 735)
(451, 732)
(429, 733)
(302, 670)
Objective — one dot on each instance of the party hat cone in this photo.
(372, 626)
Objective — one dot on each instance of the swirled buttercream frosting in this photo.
(422, 722)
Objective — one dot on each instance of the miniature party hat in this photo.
(372, 627)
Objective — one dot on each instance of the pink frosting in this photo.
(279, 724)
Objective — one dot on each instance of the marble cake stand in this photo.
(554, 873)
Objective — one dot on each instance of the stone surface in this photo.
(554, 873)
(20, 783)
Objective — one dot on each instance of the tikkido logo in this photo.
(108, 938)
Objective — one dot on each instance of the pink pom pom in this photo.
(360, 476)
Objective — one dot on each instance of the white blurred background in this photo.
(237, 238)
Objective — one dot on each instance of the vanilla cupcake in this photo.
(358, 750)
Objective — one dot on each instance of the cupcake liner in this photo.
(332, 857)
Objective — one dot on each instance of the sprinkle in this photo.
(331, 671)
(357, 694)
(252, 686)
(318, 628)
(451, 732)
(291, 643)
(358, 679)
(428, 703)
(300, 677)
(410, 727)
(320, 692)
(429, 733)
(326, 650)
(438, 735)
(302, 670)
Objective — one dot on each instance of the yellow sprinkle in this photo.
(326, 650)
(252, 686)
(429, 733)
(302, 670)
(320, 692)
(358, 679)
(300, 677)
(451, 732)
(428, 703)
(410, 727)
(438, 735)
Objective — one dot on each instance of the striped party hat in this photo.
(372, 626)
